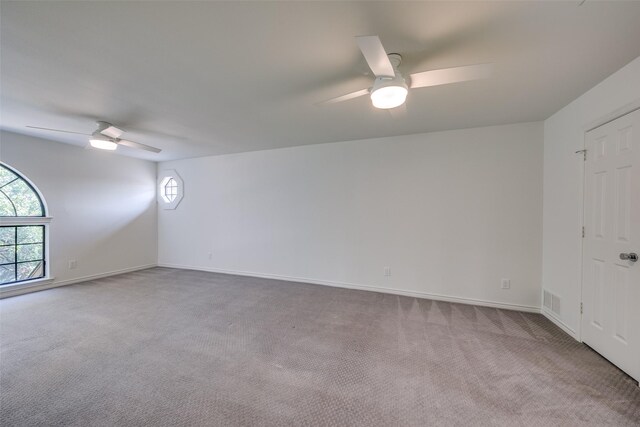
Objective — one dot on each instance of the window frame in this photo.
(164, 178)
(17, 221)
(20, 177)
(15, 245)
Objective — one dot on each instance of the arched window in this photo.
(23, 229)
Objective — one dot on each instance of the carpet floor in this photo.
(165, 347)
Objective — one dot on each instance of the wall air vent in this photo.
(551, 302)
(547, 299)
(555, 304)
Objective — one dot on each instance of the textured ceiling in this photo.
(204, 78)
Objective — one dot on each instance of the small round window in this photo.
(170, 189)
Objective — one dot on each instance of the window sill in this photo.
(25, 287)
(25, 220)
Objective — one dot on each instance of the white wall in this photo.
(450, 212)
(103, 205)
(563, 186)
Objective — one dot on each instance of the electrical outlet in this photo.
(387, 271)
(505, 284)
(73, 264)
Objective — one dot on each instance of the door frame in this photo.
(603, 120)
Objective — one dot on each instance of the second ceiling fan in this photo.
(390, 88)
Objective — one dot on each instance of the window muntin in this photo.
(170, 190)
(17, 196)
(21, 253)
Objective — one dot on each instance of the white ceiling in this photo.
(205, 78)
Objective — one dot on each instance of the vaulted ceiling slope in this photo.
(207, 78)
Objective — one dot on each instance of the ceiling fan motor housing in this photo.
(107, 129)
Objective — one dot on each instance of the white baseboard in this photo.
(415, 294)
(559, 323)
(42, 284)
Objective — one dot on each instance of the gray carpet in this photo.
(164, 347)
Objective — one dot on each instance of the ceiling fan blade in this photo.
(345, 97)
(450, 75)
(376, 56)
(59, 130)
(137, 145)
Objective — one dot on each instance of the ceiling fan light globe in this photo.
(389, 92)
(389, 97)
(103, 144)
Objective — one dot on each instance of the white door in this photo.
(611, 280)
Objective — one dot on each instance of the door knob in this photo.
(631, 256)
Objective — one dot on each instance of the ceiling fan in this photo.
(390, 88)
(106, 137)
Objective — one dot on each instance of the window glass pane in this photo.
(29, 252)
(7, 235)
(24, 198)
(31, 234)
(6, 207)
(171, 190)
(7, 273)
(26, 255)
(6, 176)
(30, 270)
(7, 254)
